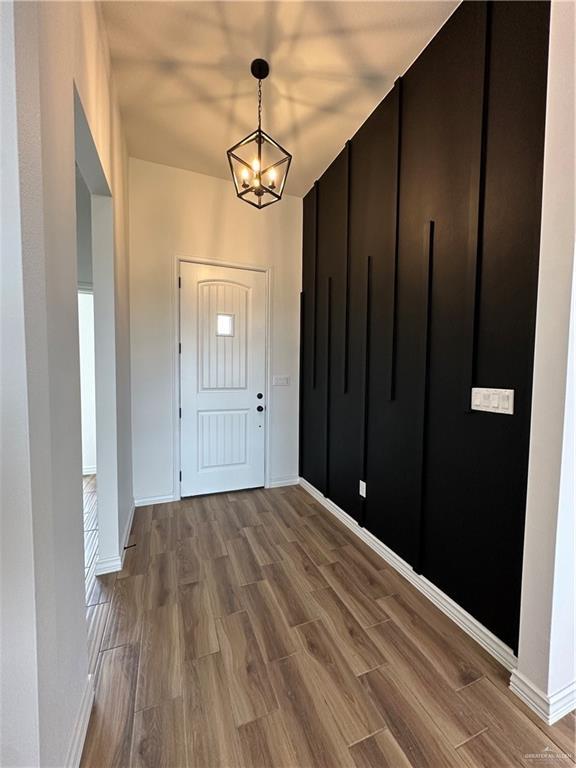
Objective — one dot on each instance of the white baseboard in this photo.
(88, 471)
(549, 708)
(459, 616)
(81, 725)
(281, 482)
(115, 563)
(111, 564)
(146, 501)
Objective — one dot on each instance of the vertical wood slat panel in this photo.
(429, 232)
(396, 175)
(366, 408)
(346, 357)
(476, 225)
(301, 383)
(328, 365)
(315, 289)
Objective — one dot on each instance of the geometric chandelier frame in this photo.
(259, 164)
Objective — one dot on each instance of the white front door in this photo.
(222, 378)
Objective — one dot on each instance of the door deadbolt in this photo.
(259, 395)
(260, 408)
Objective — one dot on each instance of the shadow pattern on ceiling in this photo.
(185, 90)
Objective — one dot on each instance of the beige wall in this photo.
(57, 46)
(180, 213)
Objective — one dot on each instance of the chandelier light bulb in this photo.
(255, 165)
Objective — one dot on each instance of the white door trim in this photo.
(176, 357)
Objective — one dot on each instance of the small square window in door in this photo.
(224, 325)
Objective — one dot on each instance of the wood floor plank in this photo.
(285, 513)
(161, 581)
(296, 606)
(328, 532)
(521, 735)
(162, 511)
(379, 751)
(277, 531)
(268, 622)
(374, 583)
(199, 637)
(211, 733)
(299, 504)
(265, 743)
(366, 610)
(210, 542)
(162, 535)
(488, 750)
(453, 717)
(308, 574)
(227, 519)
(109, 733)
(136, 559)
(264, 549)
(141, 523)
(225, 594)
(246, 512)
(409, 723)
(245, 564)
(444, 652)
(160, 668)
(158, 739)
(96, 616)
(125, 615)
(185, 521)
(312, 731)
(313, 547)
(362, 654)
(334, 683)
(250, 689)
(189, 564)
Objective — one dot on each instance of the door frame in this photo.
(178, 259)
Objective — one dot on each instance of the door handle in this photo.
(260, 408)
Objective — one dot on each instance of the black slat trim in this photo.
(366, 409)
(315, 289)
(347, 299)
(429, 248)
(396, 175)
(328, 366)
(476, 224)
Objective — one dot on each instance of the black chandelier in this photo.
(259, 165)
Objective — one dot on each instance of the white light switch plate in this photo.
(280, 381)
(362, 489)
(493, 400)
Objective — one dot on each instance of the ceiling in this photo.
(187, 95)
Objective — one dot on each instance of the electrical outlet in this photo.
(362, 489)
(280, 381)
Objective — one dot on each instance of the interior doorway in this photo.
(223, 394)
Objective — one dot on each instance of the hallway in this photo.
(252, 629)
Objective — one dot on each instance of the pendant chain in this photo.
(259, 104)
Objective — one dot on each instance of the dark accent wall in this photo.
(419, 282)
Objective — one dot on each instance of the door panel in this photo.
(222, 374)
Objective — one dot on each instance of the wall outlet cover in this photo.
(362, 490)
(280, 381)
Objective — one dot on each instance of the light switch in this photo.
(281, 381)
(493, 400)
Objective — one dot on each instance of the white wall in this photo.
(44, 660)
(87, 381)
(180, 213)
(83, 233)
(546, 675)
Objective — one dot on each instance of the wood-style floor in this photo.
(252, 629)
